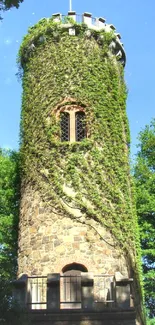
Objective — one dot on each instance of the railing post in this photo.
(53, 291)
(123, 290)
(87, 283)
(20, 291)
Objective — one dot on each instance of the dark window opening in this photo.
(80, 126)
(74, 266)
(65, 126)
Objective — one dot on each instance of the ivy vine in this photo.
(58, 66)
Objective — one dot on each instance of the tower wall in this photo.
(77, 201)
(92, 175)
(49, 242)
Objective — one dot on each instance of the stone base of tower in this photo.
(76, 317)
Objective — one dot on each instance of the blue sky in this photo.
(133, 19)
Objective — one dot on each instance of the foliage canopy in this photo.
(145, 188)
(9, 211)
(9, 205)
(7, 4)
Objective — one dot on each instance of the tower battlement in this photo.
(97, 24)
(95, 27)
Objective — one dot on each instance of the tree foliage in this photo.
(145, 187)
(9, 199)
(9, 206)
(7, 4)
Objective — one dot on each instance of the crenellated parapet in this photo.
(97, 24)
(91, 27)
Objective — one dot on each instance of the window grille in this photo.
(80, 126)
(65, 126)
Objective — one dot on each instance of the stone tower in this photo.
(78, 236)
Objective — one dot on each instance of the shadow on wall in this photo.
(74, 289)
(76, 297)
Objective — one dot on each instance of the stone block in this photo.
(68, 239)
(41, 210)
(77, 238)
(45, 258)
(45, 239)
(57, 243)
(32, 230)
(60, 249)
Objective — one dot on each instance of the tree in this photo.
(7, 4)
(9, 206)
(144, 173)
(9, 211)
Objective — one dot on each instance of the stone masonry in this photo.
(71, 269)
(48, 242)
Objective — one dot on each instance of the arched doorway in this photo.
(71, 286)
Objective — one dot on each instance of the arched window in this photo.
(72, 123)
(80, 125)
(65, 126)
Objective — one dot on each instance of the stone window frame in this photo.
(71, 107)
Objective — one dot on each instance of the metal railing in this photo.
(70, 291)
(37, 292)
(104, 290)
(75, 292)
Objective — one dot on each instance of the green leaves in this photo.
(144, 173)
(9, 215)
(98, 166)
(9, 205)
(46, 29)
(92, 175)
(7, 4)
(98, 162)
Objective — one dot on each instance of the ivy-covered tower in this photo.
(78, 239)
